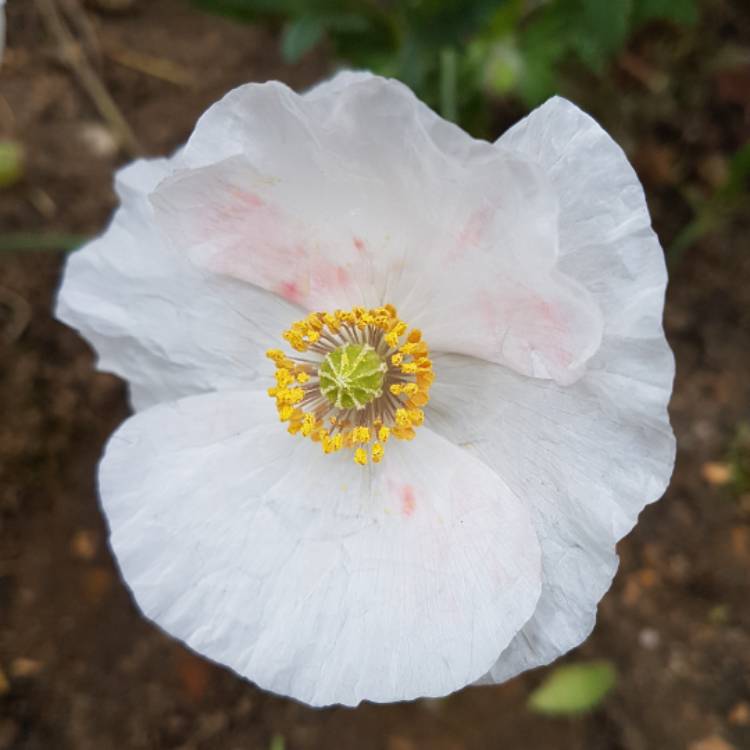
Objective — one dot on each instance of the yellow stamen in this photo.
(361, 435)
(360, 456)
(402, 418)
(341, 395)
(308, 424)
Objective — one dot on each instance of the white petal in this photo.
(167, 326)
(307, 574)
(337, 83)
(358, 193)
(2, 29)
(588, 457)
(605, 238)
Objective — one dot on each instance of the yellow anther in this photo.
(295, 395)
(414, 335)
(319, 434)
(295, 340)
(410, 389)
(314, 321)
(384, 433)
(286, 412)
(416, 349)
(361, 434)
(404, 433)
(308, 424)
(331, 322)
(289, 396)
(425, 378)
(332, 444)
(272, 392)
(396, 389)
(276, 356)
(423, 363)
(409, 368)
(302, 377)
(397, 359)
(416, 416)
(283, 377)
(377, 453)
(337, 442)
(420, 398)
(402, 418)
(360, 456)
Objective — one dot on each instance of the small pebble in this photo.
(740, 714)
(23, 667)
(711, 743)
(99, 140)
(649, 639)
(84, 545)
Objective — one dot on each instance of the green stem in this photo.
(45, 242)
(448, 83)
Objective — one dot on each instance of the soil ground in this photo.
(80, 669)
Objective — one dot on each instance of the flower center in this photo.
(364, 378)
(352, 376)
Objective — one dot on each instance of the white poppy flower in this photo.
(371, 266)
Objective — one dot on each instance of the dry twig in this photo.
(73, 55)
(156, 67)
(19, 315)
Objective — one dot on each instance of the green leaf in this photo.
(678, 11)
(502, 71)
(601, 30)
(277, 743)
(11, 163)
(300, 36)
(573, 689)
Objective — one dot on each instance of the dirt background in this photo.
(81, 670)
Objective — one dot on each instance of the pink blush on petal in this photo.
(473, 230)
(291, 292)
(251, 200)
(408, 500)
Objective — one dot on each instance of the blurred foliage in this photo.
(739, 459)
(726, 203)
(454, 53)
(573, 689)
